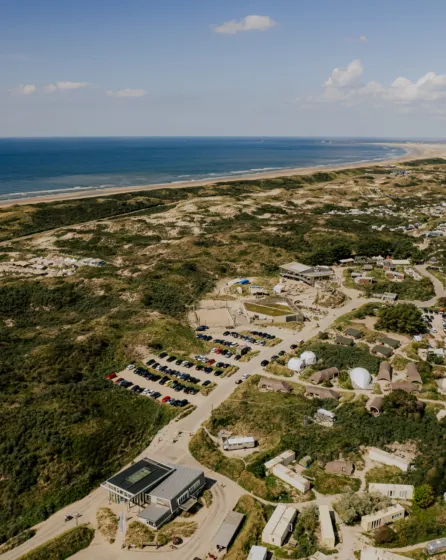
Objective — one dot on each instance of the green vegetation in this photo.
(251, 531)
(403, 318)
(385, 475)
(326, 483)
(63, 546)
(139, 535)
(305, 532)
(17, 540)
(342, 357)
(351, 507)
(423, 496)
(107, 523)
(267, 310)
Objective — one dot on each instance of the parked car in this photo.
(130, 367)
(282, 353)
(206, 383)
(264, 363)
(238, 381)
(171, 358)
(155, 395)
(162, 355)
(165, 399)
(111, 376)
(150, 362)
(117, 381)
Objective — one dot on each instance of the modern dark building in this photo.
(162, 490)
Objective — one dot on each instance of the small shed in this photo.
(383, 350)
(385, 372)
(344, 341)
(340, 466)
(321, 393)
(392, 342)
(355, 333)
(324, 375)
(275, 385)
(228, 529)
(306, 461)
(412, 374)
(367, 267)
(404, 386)
(376, 405)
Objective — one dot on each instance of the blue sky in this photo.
(170, 67)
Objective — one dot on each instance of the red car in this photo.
(210, 362)
(218, 350)
(116, 381)
(165, 399)
(111, 376)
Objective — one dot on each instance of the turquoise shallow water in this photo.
(33, 167)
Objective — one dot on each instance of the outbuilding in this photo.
(321, 393)
(394, 491)
(383, 350)
(340, 466)
(275, 385)
(412, 374)
(376, 405)
(291, 477)
(258, 553)
(228, 529)
(385, 372)
(404, 386)
(344, 341)
(279, 525)
(390, 459)
(327, 533)
(355, 333)
(382, 517)
(392, 342)
(324, 375)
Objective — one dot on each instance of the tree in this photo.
(402, 403)
(402, 318)
(423, 496)
(384, 535)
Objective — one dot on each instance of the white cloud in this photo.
(64, 86)
(248, 23)
(128, 93)
(345, 77)
(363, 39)
(27, 89)
(427, 94)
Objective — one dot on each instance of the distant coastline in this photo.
(412, 151)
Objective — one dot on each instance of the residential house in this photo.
(340, 466)
(324, 375)
(385, 372)
(382, 517)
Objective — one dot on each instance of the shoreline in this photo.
(413, 151)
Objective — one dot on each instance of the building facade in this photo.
(382, 517)
(395, 491)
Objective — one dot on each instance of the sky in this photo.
(214, 68)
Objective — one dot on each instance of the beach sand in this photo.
(414, 151)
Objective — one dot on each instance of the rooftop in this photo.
(142, 475)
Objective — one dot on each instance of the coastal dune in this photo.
(413, 151)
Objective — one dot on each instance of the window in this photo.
(195, 486)
(183, 498)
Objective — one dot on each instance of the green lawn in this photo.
(272, 311)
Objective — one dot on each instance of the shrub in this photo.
(63, 546)
(423, 496)
(403, 318)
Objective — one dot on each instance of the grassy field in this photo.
(107, 523)
(63, 546)
(326, 483)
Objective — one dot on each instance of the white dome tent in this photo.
(360, 378)
(308, 357)
(295, 364)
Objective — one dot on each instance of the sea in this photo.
(32, 167)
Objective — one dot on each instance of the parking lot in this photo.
(180, 381)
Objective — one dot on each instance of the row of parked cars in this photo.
(205, 366)
(206, 337)
(247, 338)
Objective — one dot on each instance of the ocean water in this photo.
(35, 167)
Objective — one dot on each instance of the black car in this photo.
(179, 362)
(171, 359)
(218, 372)
(162, 355)
(150, 362)
(155, 395)
(206, 383)
(293, 346)
(264, 363)
(164, 380)
(282, 353)
(237, 357)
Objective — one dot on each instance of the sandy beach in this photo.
(414, 151)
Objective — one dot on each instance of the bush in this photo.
(403, 318)
(63, 546)
(384, 535)
(351, 507)
(423, 496)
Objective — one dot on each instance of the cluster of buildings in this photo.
(278, 466)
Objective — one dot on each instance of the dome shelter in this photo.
(308, 357)
(360, 378)
(295, 364)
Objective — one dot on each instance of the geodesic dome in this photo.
(308, 357)
(360, 378)
(296, 364)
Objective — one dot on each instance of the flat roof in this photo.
(326, 522)
(236, 440)
(228, 529)
(154, 513)
(296, 267)
(140, 476)
(180, 479)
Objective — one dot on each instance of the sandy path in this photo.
(414, 151)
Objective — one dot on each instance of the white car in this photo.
(214, 350)
(433, 331)
(244, 377)
(130, 367)
(147, 392)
